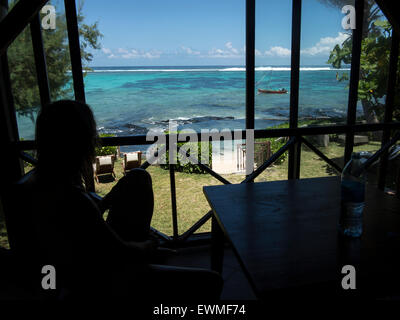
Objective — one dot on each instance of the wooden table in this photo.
(284, 234)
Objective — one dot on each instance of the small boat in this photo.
(282, 91)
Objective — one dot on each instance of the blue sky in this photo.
(208, 32)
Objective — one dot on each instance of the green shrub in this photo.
(277, 144)
(106, 150)
(190, 167)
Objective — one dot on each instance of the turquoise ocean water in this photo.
(130, 100)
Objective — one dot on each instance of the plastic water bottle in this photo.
(353, 196)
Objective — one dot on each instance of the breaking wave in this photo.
(222, 69)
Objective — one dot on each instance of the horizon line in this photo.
(210, 65)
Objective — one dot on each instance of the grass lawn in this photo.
(191, 203)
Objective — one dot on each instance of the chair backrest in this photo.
(104, 164)
(132, 156)
(40, 220)
(132, 160)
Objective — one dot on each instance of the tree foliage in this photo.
(374, 69)
(105, 150)
(374, 61)
(204, 156)
(22, 64)
(182, 165)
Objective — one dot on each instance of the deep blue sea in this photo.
(130, 100)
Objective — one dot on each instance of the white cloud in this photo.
(228, 52)
(152, 54)
(190, 51)
(278, 52)
(229, 45)
(129, 56)
(341, 37)
(325, 45)
(106, 50)
(322, 47)
(134, 54)
(230, 48)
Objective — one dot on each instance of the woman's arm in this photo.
(104, 238)
(103, 203)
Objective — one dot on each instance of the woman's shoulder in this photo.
(55, 190)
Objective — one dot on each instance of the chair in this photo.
(132, 160)
(104, 165)
(29, 251)
(262, 152)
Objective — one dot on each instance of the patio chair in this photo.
(104, 165)
(132, 160)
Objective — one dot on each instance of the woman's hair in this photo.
(66, 138)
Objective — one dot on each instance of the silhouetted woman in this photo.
(66, 139)
(94, 258)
